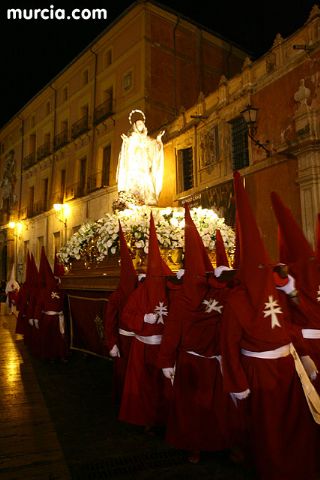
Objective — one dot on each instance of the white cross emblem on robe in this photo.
(212, 305)
(161, 310)
(271, 309)
(54, 295)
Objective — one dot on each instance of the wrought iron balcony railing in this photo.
(29, 161)
(102, 111)
(60, 140)
(43, 151)
(79, 127)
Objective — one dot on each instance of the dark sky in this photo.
(33, 52)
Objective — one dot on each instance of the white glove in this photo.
(141, 276)
(180, 273)
(239, 395)
(30, 321)
(309, 366)
(289, 287)
(169, 373)
(114, 352)
(219, 270)
(150, 318)
(36, 323)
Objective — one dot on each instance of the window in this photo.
(85, 77)
(105, 177)
(32, 143)
(239, 141)
(62, 184)
(45, 194)
(25, 250)
(40, 244)
(31, 201)
(108, 99)
(82, 176)
(185, 169)
(56, 241)
(108, 58)
(65, 94)
(64, 126)
(47, 139)
(84, 111)
(127, 81)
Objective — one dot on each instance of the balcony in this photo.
(35, 209)
(29, 161)
(102, 111)
(94, 182)
(43, 151)
(80, 127)
(60, 140)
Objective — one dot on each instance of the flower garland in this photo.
(169, 223)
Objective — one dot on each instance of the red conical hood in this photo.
(42, 267)
(196, 263)
(50, 282)
(300, 256)
(28, 270)
(128, 275)
(34, 274)
(221, 255)
(295, 242)
(157, 270)
(255, 267)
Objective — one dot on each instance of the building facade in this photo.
(62, 147)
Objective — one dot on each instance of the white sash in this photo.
(126, 333)
(283, 351)
(310, 333)
(150, 339)
(61, 319)
(310, 392)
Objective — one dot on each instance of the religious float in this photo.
(91, 256)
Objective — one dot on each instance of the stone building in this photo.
(62, 147)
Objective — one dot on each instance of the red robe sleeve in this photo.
(111, 320)
(234, 377)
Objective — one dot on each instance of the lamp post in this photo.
(62, 211)
(250, 117)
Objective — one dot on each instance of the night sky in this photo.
(33, 52)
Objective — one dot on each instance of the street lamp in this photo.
(62, 214)
(249, 115)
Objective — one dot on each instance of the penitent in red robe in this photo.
(145, 394)
(112, 324)
(201, 413)
(280, 426)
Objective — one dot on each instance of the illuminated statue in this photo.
(141, 162)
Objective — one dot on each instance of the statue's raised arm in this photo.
(141, 161)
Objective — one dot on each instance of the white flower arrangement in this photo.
(169, 223)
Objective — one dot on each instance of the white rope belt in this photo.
(283, 351)
(218, 357)
(150, 340)
(310, 333)
(126, 333)
(61, 319)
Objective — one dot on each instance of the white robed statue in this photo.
(141, 162)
